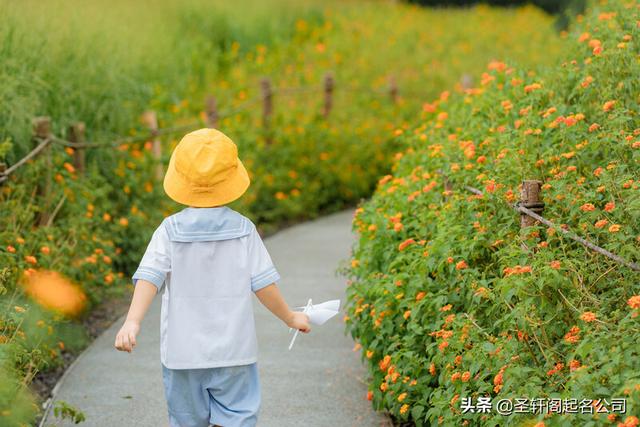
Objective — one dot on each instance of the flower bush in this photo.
(450, 299)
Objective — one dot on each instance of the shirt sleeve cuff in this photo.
(265, 278)
(150, 275)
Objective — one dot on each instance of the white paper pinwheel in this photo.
(318, 314)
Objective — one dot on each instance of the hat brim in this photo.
(183, 192)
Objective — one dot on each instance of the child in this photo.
(208, 259)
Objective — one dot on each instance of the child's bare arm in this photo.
(271, 298)
(142, 297)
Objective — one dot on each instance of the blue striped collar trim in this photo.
(207, 224)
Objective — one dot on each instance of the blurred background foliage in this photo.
(563, 9)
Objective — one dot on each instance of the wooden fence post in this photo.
(267, 106)
(150, 120)
(530, 198)
(212, 112)
(448, 188)
(393, 89)
(466, 81)
(76, 137)
(328, 94)
(41, 131)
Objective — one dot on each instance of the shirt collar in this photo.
(207, 224)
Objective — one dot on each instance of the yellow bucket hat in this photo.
(205, 171)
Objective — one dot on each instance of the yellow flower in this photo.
(404, 409)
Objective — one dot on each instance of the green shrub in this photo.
(444, 301)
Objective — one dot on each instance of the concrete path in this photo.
(319, 383)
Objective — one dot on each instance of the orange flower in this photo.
(383, 386)
(594, 127)
(406, 243)
(573, 335)
(384, 363)
(45, 250)
(555, 264)
(404, 408)
(31, 259)
(432, 369)
(372, 227)
(69, 167)
(601, 223)
(634, 301)
(407, 314)
(466, 376)
(402, 396)
(456, 376)
(609, 207)
(369, 354)
(630, 422)
(588, 316)
(11, 249)
(106, 217)
(608, 106)
(587, 207)
(369, 395)
(498, 379)
(461, 265)
(124, 222)
(446, 307)
(614, 228)
(397, 226)
(532, 87)
(420, 295)
(517, 269)
(574, 364)
(587, 81)
(597, 171)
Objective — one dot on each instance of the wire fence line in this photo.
(532, 198)
(213, 116)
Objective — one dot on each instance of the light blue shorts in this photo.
(227, 396)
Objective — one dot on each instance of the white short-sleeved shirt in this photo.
(208, 261)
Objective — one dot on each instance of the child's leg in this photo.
(235, 396)
(187, 397)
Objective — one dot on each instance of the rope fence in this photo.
(530, 207)
(42, 136)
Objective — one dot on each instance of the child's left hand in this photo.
(299, 321)
(126, 338)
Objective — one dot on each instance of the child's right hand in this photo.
(299, 321)
(126, 338)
